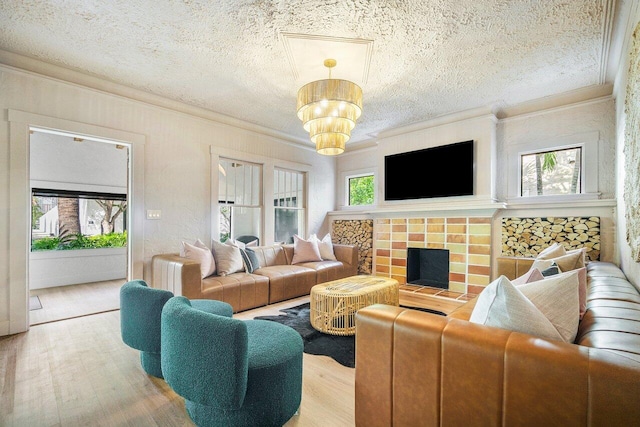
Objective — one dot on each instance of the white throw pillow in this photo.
(228, 258)
(201, 254)
(325, 246)
(546, 308)
(305, 250)
(558, 298)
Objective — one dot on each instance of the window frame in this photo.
(343, 187)
(590, 144)
(347, 188)
(268, 166)
(552, 150)
(304, 201)
(232, 204)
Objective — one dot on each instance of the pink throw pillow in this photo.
(530, 276)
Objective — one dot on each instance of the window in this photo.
(239, 199)
(551, 173)
(289, 204)
(360, 190)
(62, 219)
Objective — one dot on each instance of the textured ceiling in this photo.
(428, 57)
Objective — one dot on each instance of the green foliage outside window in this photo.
(361, 190)
(111, 240)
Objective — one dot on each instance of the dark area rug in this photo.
(341, 349)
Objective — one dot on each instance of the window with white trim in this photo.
(360, 189)
(239, 198)
(551, 173)
(289, 202)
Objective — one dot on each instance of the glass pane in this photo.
(240, 183)
(552, 173)
(287, 223)
(361, 190)
(225, 222)
(84, 220)
(245, 221)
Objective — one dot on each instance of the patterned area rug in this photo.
(341, 349)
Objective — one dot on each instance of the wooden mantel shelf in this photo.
(432, 298)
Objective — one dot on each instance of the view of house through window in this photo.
(289, 204)
(70, 220)
(360, 189)
(552, 173)
(240, 199)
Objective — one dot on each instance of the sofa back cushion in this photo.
(271, 255)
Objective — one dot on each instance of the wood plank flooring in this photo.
(78, 372)
(66, 302)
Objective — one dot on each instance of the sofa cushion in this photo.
(305, 250)
(228, 258)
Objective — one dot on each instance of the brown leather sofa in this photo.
(419, 369)
(276, 279)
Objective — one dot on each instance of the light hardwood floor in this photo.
(78, 372)
(65, 302)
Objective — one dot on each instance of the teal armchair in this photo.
(140, 313)
(231, 372)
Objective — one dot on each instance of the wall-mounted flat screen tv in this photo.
(443, 171)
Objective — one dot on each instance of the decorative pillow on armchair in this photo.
(305, 250)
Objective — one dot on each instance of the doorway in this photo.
(78, 243)
(20, 124)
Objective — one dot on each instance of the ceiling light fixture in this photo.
(329, 110)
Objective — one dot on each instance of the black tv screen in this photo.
(443, 171)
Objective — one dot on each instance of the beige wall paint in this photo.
(176, 164)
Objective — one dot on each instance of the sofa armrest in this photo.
(176, 274)
(348, 255)
(417, 368)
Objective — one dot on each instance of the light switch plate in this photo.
(154, 214)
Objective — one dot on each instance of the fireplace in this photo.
(428, 267)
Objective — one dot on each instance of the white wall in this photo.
(176, 164)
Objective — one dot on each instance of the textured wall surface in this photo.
(632, 149)
(527, 237)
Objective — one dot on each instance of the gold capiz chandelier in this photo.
(329, 110)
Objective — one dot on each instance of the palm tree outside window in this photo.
(551, 173)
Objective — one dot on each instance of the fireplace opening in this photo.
(428, 267)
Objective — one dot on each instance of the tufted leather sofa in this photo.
(415, 368)
(276, 279)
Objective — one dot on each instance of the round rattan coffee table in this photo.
(333, 305)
